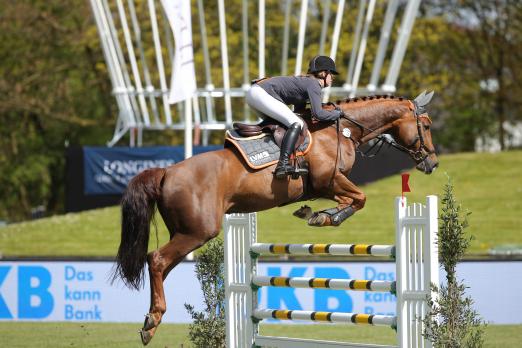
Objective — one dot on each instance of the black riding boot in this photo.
(284, 167)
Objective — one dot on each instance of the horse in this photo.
(193, 195)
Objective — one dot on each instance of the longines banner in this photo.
(81, 291)
(107, 170)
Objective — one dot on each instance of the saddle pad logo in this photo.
(255, 158)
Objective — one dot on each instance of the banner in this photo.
(108, 170)
(183, 81)
(81, 291)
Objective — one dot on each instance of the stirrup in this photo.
(281, 172)
(298, 172)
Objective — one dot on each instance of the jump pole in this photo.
(416, 259)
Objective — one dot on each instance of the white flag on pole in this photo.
(183, 81)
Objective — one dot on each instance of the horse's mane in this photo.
(368, 98)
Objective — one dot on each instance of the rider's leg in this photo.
(263, 102)
(258, 99)
(284, 167)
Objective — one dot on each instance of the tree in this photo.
(484, 49)
(452, 322)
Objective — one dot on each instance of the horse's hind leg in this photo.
(161, 262)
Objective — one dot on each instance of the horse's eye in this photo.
(426, 127)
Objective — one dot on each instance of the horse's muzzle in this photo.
(428, 165)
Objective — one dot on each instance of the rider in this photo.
(270, 96)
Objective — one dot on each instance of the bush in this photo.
(452, 322)
(208, 329)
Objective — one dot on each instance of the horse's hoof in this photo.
(319, 219)
(149, 322)
(146, 337)
(305, 212)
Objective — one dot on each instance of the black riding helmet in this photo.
(321, 63)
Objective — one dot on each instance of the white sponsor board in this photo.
(81, 291)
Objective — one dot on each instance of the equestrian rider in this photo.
(270, 96)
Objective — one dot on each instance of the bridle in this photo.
(419, 155)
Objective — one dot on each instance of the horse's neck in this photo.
(377, 116)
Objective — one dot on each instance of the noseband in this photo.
(418, 155)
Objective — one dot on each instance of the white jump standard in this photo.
(416, 260)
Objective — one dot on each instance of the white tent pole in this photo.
(224, 58)
(159, 61)
(335, 40)
(261, 39)
(362, 48)
(355, 45)
(244, 28)
(300, 44)
(391, 12)
(286, 38)
(208, 78)
(149, 89)
(133, 62)
(402, 43)
(324, 27)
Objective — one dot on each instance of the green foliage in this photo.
(208, 328)
(53, 92)
(452, 322)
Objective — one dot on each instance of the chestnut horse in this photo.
(192, 196)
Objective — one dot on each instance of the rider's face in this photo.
(329, 79)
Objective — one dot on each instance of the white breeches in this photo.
(258, 99)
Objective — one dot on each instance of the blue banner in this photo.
(109, 170)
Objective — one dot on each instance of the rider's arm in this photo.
(314, 94)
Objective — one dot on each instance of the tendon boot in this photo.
(284, 167)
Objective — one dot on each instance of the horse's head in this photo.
(412, 131)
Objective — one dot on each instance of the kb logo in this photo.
(34, 299)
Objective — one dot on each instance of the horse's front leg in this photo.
(350, 199)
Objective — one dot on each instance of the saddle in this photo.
(260, 144)
(268, 126)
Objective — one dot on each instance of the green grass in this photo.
(488, 185)
(47, 335)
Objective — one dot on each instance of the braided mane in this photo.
(371, 97)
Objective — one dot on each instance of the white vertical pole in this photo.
(286, 36)
(261, 38)
(335, 40)
(431, 253)
(402, 43)
(300, 43)
(224, 57)
(401, 262)
(188, 143)
(391, 12)
(188, 128)
(355, 45)
(159, 61)
(324, 27)
(240, 233)
(244, 28)
(208, 78)
(362, 48)
(133, 62)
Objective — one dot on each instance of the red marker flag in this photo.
(405, 184)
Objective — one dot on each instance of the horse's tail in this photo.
(138, 206)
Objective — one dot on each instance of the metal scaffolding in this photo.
(138, 46)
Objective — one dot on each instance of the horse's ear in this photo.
(423, 98)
